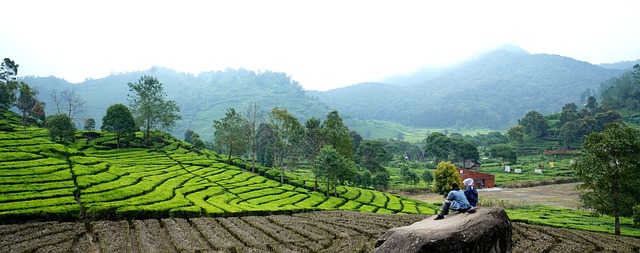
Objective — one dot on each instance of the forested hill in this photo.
(202, 98)
(492, 91)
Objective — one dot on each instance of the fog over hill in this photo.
(492, 91)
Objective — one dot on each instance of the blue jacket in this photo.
(472, 195)
(458, 200)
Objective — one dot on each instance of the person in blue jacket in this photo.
(455, 201)
(470, 192)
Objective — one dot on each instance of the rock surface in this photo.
(487, 230)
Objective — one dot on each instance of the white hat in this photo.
(468, 182)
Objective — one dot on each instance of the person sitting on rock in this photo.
(455, 201)
(470, 192)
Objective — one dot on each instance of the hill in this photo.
(90, 178)
(491, 91)
(202, 98)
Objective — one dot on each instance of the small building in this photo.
(480, 180)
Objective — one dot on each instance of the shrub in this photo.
(444, 175)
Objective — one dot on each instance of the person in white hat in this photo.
(470, 192)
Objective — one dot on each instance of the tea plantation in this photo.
(92, 179)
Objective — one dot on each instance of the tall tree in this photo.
(188, 135)
(337, 134)
(231, 133)
(69, 101)
(371, 154)
(331, 164)
(8, 71)
(8, 84)
(38, 112)
(515, 134)
(438, 146)
(266, 140)
(254, 115)
(119, 121)
(7, 94)
(314, 143)
(26, 101)
(287, 135)
(89, 124)
(60, 125)
(149, 106)
(535, 125)
(609, 171)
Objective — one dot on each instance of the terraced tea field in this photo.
(45, 180)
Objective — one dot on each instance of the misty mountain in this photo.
(493, 91)
(623, 65)
(202, 98)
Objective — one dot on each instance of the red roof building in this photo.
(481, 180)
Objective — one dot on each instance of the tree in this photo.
(592, 103)
(515, 134)
(609, 171)
(60, 125)
(188, 136)
(68, 100)
(465, 151)
(371, 154)
(196, 142)
(231, 134)
(444, 175)
(7, 94)
(26, 101)
(427, 176)
(504, 151)
(380, 180)
(438, 146)
(253, 116)
(119, 121)
(89, 124)
(266, 140)
(535, 125)
(569, 113)
(408, 176)
(332, 167)
(314, 143)
(337, 134)
(8, 71)
(38, 112)
(288, 134)
(149, 106)
(8, 84)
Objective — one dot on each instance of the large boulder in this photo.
(486, 230)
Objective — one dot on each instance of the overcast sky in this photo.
(321, 44)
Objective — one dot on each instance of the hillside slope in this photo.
(92, 179)
(492, 91)
(202, 98)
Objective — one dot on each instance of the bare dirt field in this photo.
(330, 231)
(561, 195)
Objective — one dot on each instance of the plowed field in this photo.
(326, 231)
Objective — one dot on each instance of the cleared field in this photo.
(325, 231)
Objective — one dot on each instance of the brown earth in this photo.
(562, 195)
(328, 231)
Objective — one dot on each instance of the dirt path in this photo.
(562, 195)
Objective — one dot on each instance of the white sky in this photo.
(321, 44)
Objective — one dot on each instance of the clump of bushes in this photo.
(636, 216)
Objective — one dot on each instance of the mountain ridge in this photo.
(491, 91)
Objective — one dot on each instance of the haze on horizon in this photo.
(322, 45)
